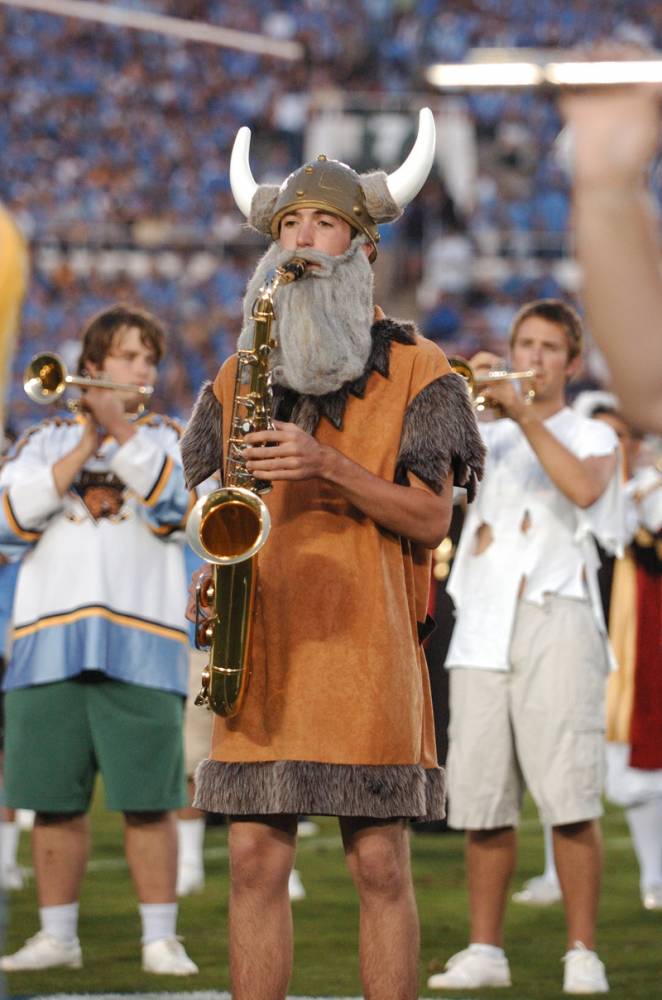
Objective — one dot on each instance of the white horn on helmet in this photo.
(405, 182)
(242, 181)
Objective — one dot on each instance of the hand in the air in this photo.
(615, 131)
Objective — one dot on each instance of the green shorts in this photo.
(58, 736)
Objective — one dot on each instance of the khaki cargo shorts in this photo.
(539, 725)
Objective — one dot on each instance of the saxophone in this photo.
(229, 526)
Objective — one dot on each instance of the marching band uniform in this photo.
(117, 528)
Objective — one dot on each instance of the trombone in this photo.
(46, 378)
(477, 382)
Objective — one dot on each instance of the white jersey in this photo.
(101, 584)
(540, 542)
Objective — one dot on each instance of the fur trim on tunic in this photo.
(201, 443)
(308, 788)
(307, 411)
(440, 433)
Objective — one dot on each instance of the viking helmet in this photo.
(329, 185)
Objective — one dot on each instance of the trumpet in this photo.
(549, 68)
(477, 382)
(46, 378)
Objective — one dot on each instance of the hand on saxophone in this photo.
(286, 452)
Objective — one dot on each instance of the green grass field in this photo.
(326, 921)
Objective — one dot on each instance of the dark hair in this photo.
(554, 311)
(101, 330)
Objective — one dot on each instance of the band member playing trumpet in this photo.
(91, 504)
(528, 657)
(370, 428)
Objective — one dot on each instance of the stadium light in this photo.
(485, 67)
(177, 27)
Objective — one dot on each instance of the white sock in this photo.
(9, 834)
(488, 949)
(190, 838)
(645, 822)
(60, 921)
(550, 872)
(159, 920)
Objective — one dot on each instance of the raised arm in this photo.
(615, 136)
(582, 480)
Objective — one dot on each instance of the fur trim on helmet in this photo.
(201, 444)
(440, 433)
(262, 208)
(313, 789)
(378, 200)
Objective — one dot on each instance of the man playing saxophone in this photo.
(370, 429)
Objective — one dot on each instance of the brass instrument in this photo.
(477, 382)
(548, 68)
(229, 526)
(45, 379)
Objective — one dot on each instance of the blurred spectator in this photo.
(115, 155)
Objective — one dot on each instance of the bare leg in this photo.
(578, 853)
(491, 857)
(150, 845)
(188, 812)
(60, 848)
(378, 858)
(261, 859)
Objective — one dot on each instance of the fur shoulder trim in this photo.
(440, 433)
(307, 411)
(202, 444)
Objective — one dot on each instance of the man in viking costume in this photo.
(371, 430)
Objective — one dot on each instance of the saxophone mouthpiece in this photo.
(295, 268)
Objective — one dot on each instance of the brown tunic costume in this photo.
(337, 719)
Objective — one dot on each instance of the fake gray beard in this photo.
(323, 319)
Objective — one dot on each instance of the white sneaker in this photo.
(11, 877)
(652, 897)
(25, 818)
(167, 957)
(190, 879)
(306, 828)
(469, 970)
(44, 951)
(538, 891)
(584, 972)
(295, 886)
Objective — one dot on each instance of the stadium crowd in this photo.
(116, 140)
(116, 168)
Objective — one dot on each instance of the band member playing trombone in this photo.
(98, 672)
(369, 428)
(528, 657)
